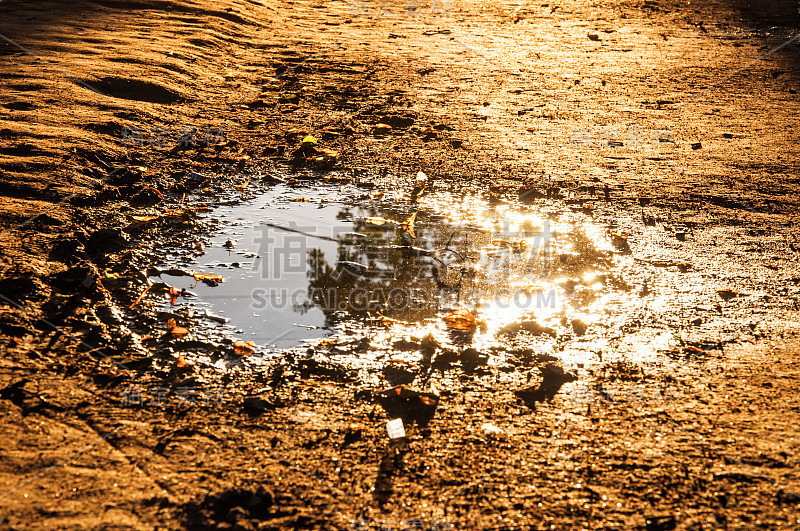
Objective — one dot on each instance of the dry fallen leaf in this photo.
(244, 349)
(174, 294)
(175, 330)
(299, 200)
(428, 400)
(140, 297)
(408, 225)
(377, 221)
(461, 321)
(208, 278)
(182, 362)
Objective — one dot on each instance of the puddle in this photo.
(350, 270)
(368, 280)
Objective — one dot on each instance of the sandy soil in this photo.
(108, 106)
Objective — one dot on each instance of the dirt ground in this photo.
(683, 111)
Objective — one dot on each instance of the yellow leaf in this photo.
(378, 221)
(299, 199)
(408, 225)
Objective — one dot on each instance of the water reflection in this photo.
(303, 263)
(409, 263)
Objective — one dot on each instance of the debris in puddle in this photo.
(554, 374)
(243, 348)
(174, 294)
(216, 318)
(207, 278)
(693, 351)
(175, 330)
(408, 225)
(461, 320)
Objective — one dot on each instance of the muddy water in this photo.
(365, 274)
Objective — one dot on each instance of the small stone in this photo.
(491, 430)
(395, 429)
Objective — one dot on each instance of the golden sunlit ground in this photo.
(559, 238)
